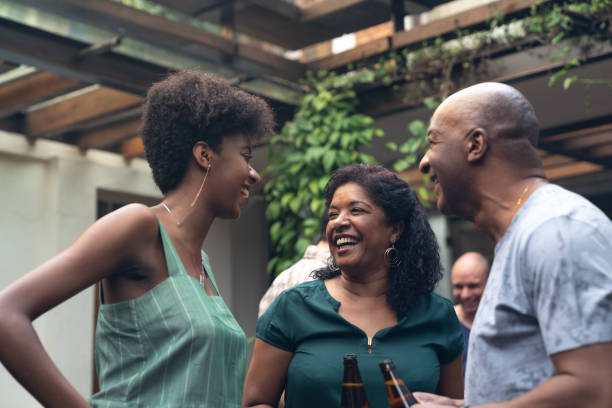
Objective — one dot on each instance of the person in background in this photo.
(374, 300)
(165, 337)
(468, 276)
(542, 336)
(314, 258)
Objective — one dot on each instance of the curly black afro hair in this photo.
(188, 107)
(419, 270)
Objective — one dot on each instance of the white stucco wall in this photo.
(49, 196)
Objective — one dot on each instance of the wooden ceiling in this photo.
(76, 71)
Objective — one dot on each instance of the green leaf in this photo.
(391, 146)
(431, 103)
(555, 77)
(287, 237)
(558, 37)
(285, 199)
(401, 165)
(275, 231)
(417, 128)
(273, 210)
(295, 205)
(312, 223)
(567, 82)
(272, 265)
(313, 186)
(423, 193)
(328, 160)
(301, 245)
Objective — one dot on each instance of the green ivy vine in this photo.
(328, 132)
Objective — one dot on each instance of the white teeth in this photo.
(345, 241)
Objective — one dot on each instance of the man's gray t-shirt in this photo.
(549, 290)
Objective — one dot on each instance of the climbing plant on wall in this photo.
(328, 132)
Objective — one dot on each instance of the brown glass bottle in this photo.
(398, 394)
(353, 393)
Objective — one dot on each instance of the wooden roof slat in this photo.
(132, 148)
(67, 113)
(575, 133)
(173, 34)
(369, 49)
(108, 135)
(585, 141)
(428, 31)
(601, 152)
(464, 19)
(35, 88)
(556, 160)
(572, 169)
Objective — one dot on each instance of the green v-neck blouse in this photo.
(304, 320)
(173, 347)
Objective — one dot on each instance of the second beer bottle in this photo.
(353, 393)
(398, 394)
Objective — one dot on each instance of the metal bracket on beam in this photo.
(97, 49)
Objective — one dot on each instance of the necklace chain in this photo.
(517, 206)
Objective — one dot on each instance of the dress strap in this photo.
(173, 262)
(208, 269)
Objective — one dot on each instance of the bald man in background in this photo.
(469, 277)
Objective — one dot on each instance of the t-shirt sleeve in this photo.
(570, 263)
(275, 325)
(454, 336)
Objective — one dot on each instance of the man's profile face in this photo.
(444, 160)
(469, 279)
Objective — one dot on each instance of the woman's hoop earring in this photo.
(201, 186)
(332, 265)
(392, 257)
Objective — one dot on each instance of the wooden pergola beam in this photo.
(572, 169)
(465, 19)
(36, 88)
(63, 115)
(176, 35)
(109, 135)
(415, 35)
(132, 148)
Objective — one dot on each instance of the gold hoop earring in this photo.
(201, 187)
(392, 257)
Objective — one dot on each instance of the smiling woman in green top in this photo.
(375, 300)
(165, 338)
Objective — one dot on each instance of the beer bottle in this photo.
(398, 394)
(353, 393)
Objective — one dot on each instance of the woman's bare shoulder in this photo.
(130, 225)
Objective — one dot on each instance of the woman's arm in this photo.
(104, 248)
(267, 375)
(451, 379)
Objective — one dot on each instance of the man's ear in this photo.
(202, 153)
(476, 145)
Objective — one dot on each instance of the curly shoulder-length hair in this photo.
(419, 270)
(188, 107)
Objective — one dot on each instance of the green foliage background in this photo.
(328, 132)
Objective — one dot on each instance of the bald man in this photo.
(469, 277)
(542, 336)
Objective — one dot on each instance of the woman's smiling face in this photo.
(357, 230)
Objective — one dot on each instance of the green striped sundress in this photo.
(173, 347)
